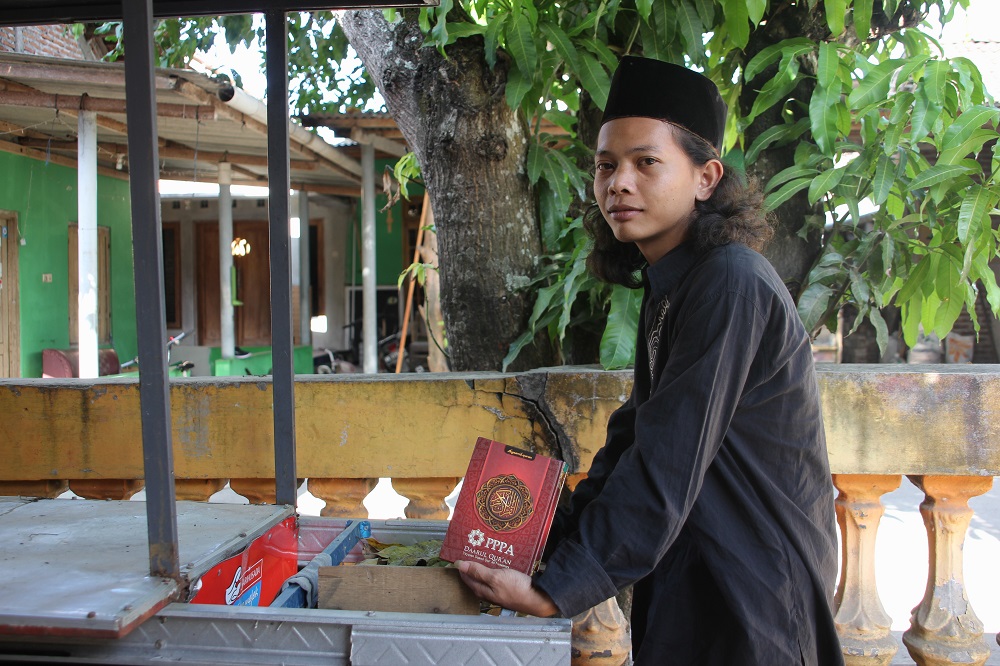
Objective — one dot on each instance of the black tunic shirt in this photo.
(712, 494)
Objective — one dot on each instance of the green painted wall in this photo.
(44, 196)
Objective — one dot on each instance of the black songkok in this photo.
(656, 89)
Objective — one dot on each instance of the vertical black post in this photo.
(154, 386)
(283, 368)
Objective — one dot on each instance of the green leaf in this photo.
(884, 177)
(875, 85)
(571, 287)
(644, 7)
(768, 56)
(951, 295)
(890, 141)
(976, 205)
(863, 19)
(691, 28)
(937, 174)
(594, 79)
(536, 158)
(787, 174)
(737, 22)
(912, 64)
(813, 304)
(967, 123)
(968, 148)
(935, 79)
(776, 134)
(835, 12)
(774, 91)
(823, 119)
(881, 330)
(461, 29)
(706, 11)
(984, 273)
(829, 62)
(824, 182)
(901, 107)
(555, 177)
(562, 44)
(786, 192)
(618, 341)
(517, 87)
(552, 215)
(521, 45)
(520, 343)
(755, 8)
(925, 114)
(915, 280)
(562, 119)
(605, 55)
(910, 313)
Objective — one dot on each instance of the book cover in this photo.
(505, 508)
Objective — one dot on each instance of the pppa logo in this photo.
(476, 538)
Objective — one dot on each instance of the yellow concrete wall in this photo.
(879, 420)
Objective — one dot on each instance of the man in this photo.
(712, 494)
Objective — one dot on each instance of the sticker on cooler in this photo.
(245, 588)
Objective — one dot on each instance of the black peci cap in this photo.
(656, 89)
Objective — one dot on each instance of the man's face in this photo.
(646, 185)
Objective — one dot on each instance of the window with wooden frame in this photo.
(103, 285)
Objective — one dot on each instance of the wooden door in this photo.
(253, 318)
(103, 285)
(10, 321)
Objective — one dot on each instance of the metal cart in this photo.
(77, 586)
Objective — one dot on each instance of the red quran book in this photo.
(505, 508)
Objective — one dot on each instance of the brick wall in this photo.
(43, 40)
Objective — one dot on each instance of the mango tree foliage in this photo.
(875, 149)
(887, 122)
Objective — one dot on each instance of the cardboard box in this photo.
(395, 589)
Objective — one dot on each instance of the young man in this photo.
(712, 495)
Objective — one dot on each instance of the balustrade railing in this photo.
(932, 424)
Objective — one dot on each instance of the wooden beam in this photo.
(378, 142)
(100, 104)
(170, 149)
(196, 94)
(104, 74)
(17, 149)
(10, 129)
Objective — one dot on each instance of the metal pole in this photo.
(369, 306)
(147, 242)
(227, 328)
(86, 237)
(305, 297)
(283, 369)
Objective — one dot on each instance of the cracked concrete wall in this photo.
(879, 420)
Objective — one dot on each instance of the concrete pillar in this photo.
(86, 175)
(227, 330)
(369, 347)
(305, 297)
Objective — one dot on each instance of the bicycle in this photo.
(178, 369)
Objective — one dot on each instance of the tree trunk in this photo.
(472, 151)
(791, 255)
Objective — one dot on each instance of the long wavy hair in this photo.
(733, 214)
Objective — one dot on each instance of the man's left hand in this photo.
(506, 588)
